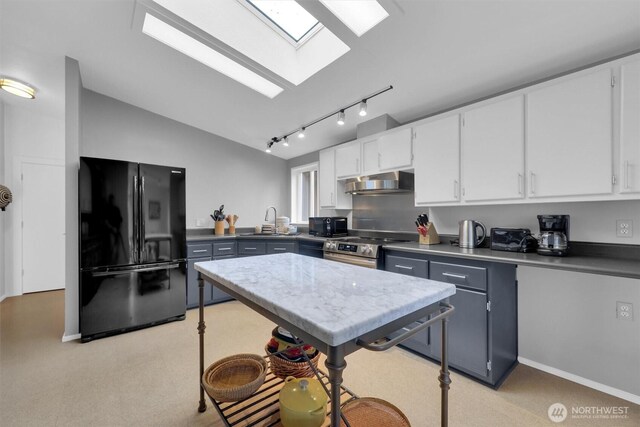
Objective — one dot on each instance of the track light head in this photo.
(341, 117)
(363, 108)
(301, 132)
(285, 141)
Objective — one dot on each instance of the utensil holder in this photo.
(432, 237)
(232, 229)
(219, 230)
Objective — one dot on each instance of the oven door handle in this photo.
(353, 260)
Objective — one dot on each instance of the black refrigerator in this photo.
(132, 246)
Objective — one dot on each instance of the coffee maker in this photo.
(554, 235)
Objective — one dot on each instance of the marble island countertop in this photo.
(332, 301)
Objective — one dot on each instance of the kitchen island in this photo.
(337, 308)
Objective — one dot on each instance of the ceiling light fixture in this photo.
(17, 88)
(362, 102)
(363, 108)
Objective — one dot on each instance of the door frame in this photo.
(18, 217)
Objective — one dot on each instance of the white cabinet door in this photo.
(492, 151)
(569, 147)
(394, 150)
(370, 157)
(436, 151)
(348, 160)
(332, 195)
(630, 128)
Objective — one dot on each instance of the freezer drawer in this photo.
(117, 301)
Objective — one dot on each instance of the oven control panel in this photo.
(353, 249)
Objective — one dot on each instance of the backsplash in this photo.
(590, 221)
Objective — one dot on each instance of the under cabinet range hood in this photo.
(383, 183)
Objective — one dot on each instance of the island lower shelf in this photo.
(262, 409)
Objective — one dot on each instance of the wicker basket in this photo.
(282, 368)
(235, 377)
(369, 411)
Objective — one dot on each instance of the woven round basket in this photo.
(369, 411)
(282, 368)
(235, 377)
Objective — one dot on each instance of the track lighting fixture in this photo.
(362, 102)
(363, 108)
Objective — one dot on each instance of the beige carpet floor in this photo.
(150, 377)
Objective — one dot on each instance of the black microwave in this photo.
(328, 226)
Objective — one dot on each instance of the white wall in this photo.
(219, 171)
(567, 321)
(73, 126)
(590, 221)
(28, 135)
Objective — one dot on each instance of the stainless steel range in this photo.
(362, 251)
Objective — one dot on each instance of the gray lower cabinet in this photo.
(252, 247)
(206, 251)
(482, 331)
(281, 247)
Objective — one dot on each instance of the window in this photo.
(304, 193)
(287, 18)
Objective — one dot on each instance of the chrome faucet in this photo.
(275, 218)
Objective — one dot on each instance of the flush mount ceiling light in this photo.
(17, 88)
(363, 108)
(180, 41)
(359, 15)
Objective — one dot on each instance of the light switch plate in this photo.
(624, 228)
(200, 222)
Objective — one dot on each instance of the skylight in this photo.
(288, 16)
(359, 15)
(178, 40)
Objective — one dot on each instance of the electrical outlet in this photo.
(200, 222)
(624, 310)
(624, 228)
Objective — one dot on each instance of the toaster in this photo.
(513, 240)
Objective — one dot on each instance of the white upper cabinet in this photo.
(348, 160)
(630, 128)
(370, 156)
(493, 151)
(436, 150)
(569, 137)
(394, 150)
(331, 192)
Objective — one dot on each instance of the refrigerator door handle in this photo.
(135, 270)
(143, 231)
(136, 229)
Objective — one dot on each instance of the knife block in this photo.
(432, 237)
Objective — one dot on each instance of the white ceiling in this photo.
(436, 54)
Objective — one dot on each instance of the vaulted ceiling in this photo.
(436, 54)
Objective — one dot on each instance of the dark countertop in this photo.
(621, 267)
(250, 236)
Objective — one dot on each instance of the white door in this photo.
(43, 223)
(327, 178)
(630, 129)
(394, 150)
(370, 157)
(348, 160)
(436, 150)
(569, 141)
(493, 136)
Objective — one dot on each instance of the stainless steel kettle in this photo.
(468, 235)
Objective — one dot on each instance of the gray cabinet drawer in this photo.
(199, 250)
(459, 275)
(408, 266)
(251, 247)
(224, 249)
(280, 247)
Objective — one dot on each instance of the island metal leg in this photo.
(444, 376)
(201, 327)
(335, 364)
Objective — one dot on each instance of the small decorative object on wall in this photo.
(154, 209)
(5, 197)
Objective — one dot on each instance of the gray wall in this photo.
(73, 126)
(219, 171)
(3, 241)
